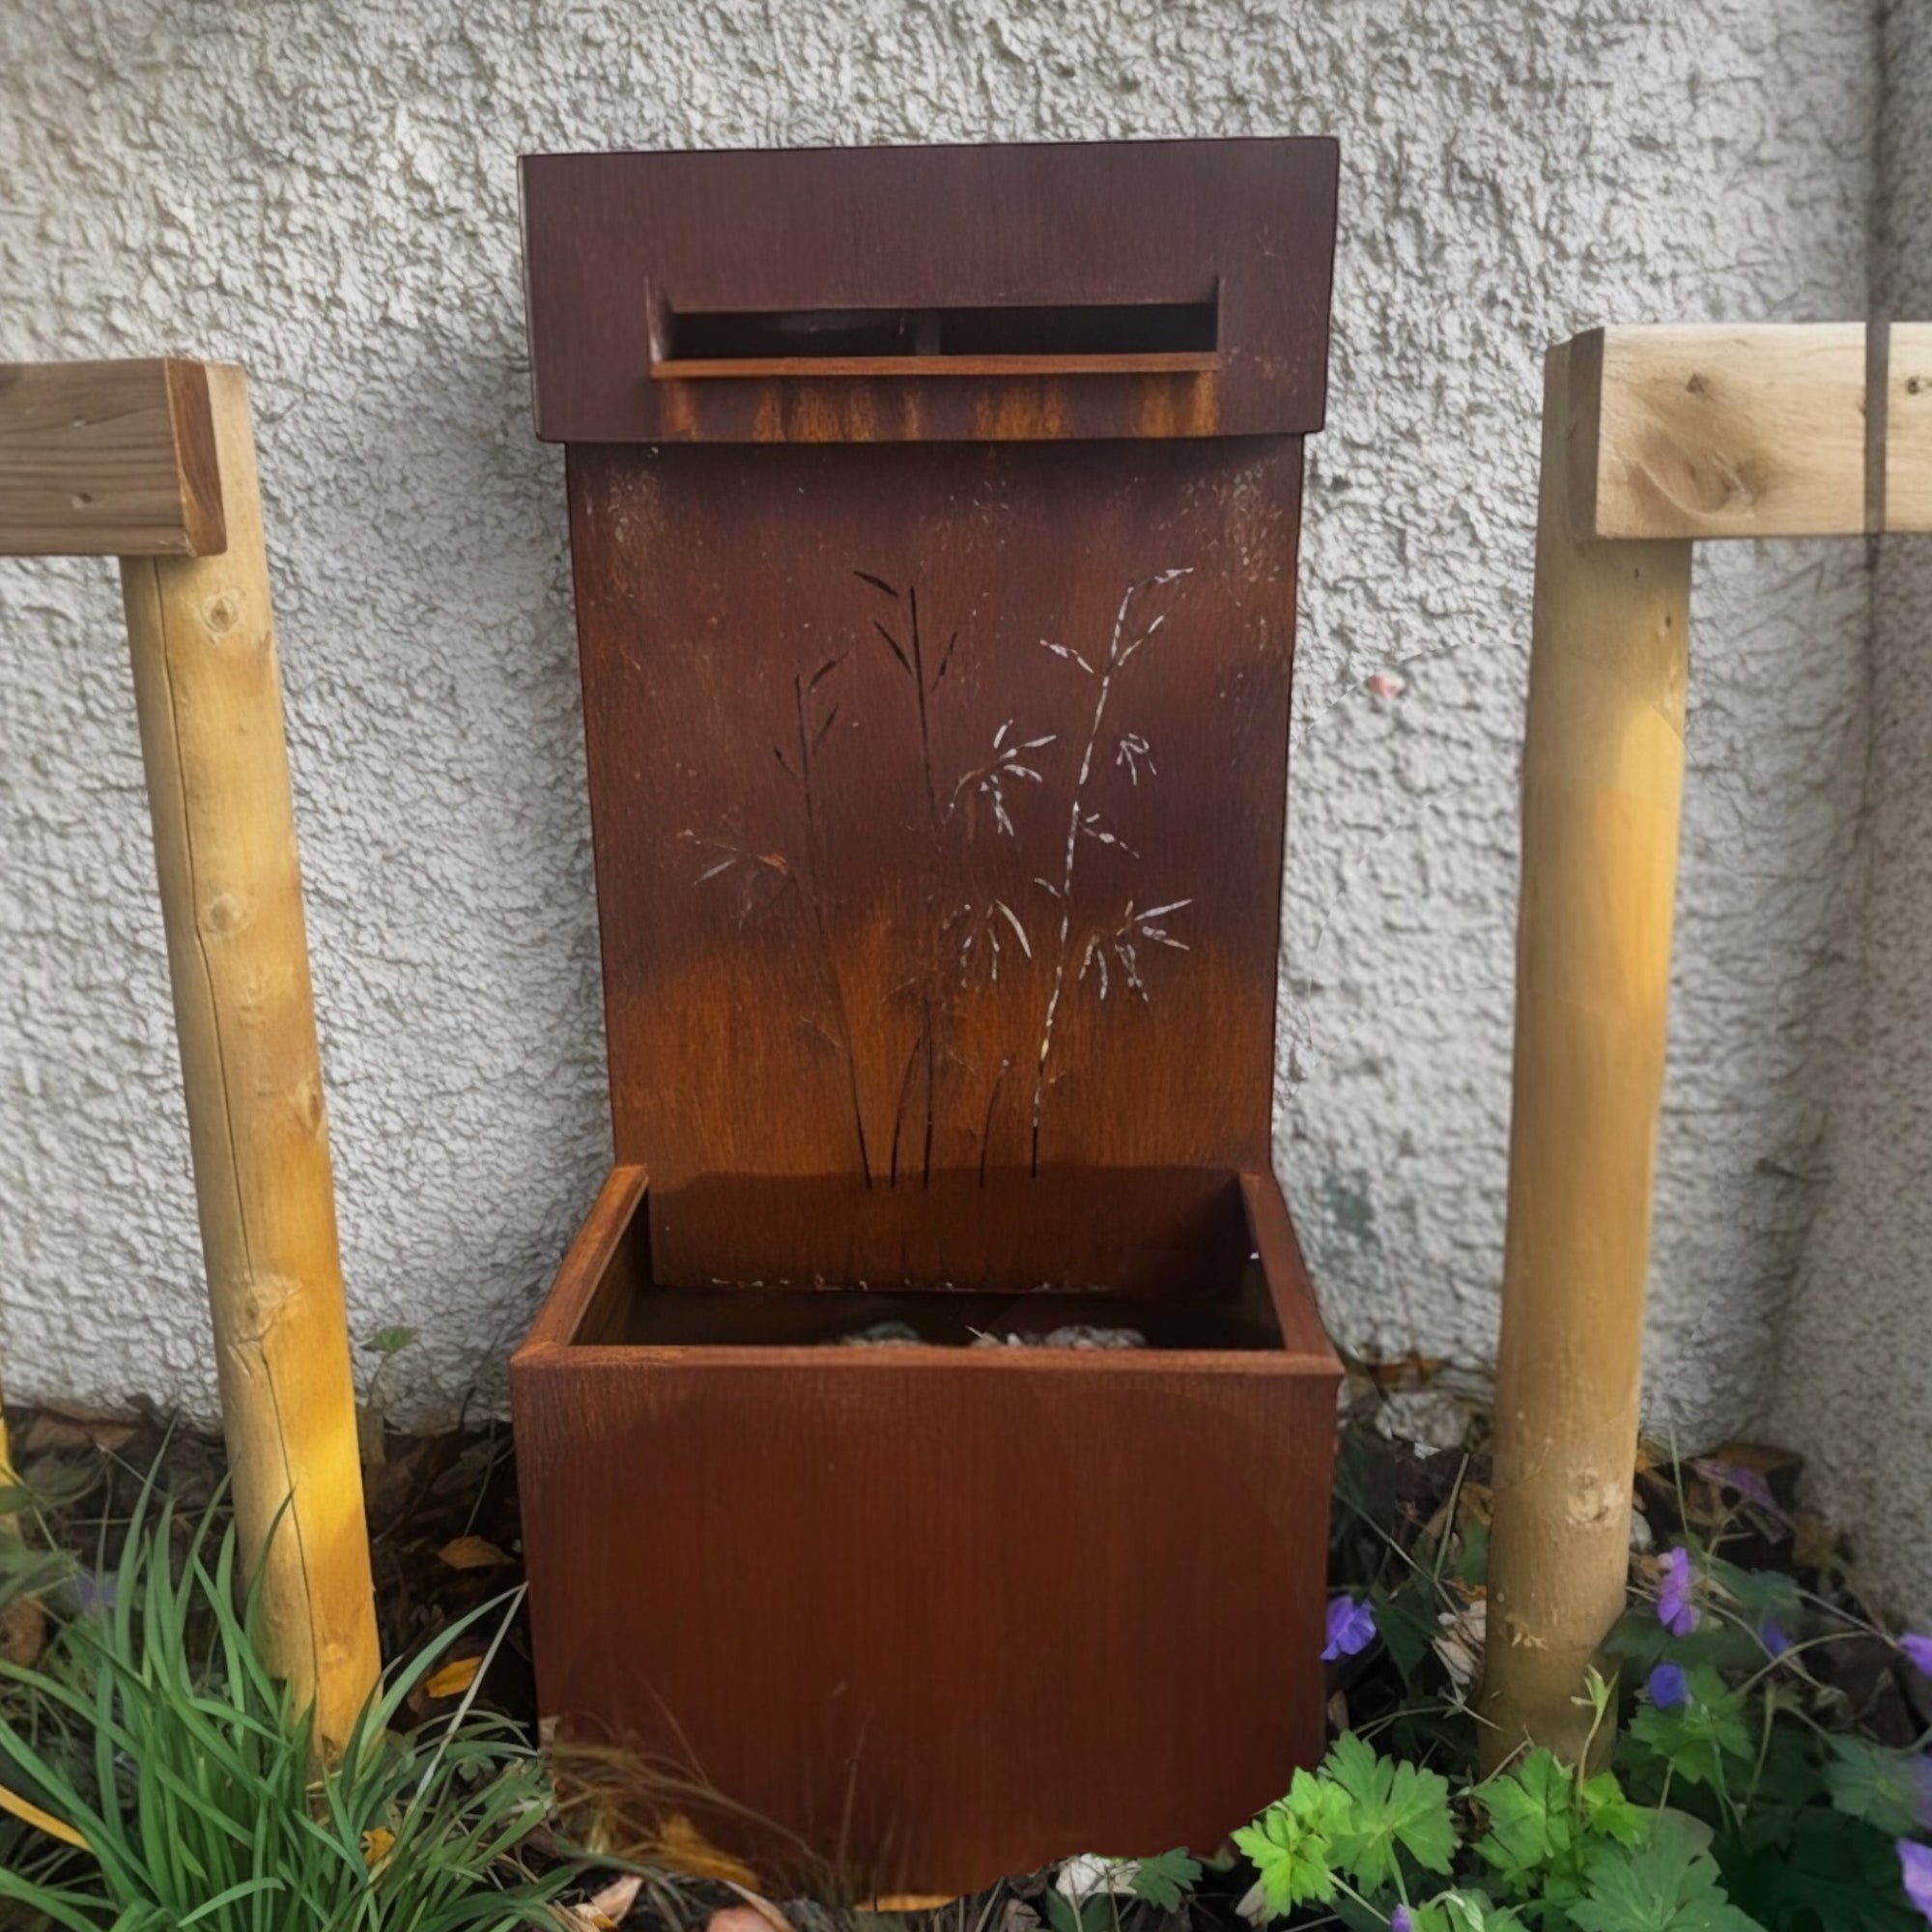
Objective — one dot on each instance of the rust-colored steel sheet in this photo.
(934, 519)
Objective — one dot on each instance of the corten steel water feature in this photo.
(934, 516)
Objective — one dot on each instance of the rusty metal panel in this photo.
(938, 797)
(938, 1614)
(1111, 289)
(934, 518)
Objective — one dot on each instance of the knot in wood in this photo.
(259, 1307)
(1596, 1502)
(224, 913)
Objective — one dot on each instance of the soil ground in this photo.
(445, 1540)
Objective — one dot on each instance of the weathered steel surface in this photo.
(843, 243)
(951, 1613)
(938, 769)
(938, 800)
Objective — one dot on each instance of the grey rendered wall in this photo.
(1854, 1391)
(324, 191)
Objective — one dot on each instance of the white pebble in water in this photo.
(882, 1335)
(1075, 1335)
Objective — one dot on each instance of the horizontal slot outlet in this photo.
(1124, 338)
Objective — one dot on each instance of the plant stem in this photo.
(815, 893)
(1117, 656)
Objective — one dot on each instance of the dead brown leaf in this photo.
(679, 1846)
(1771, 1462)
(23, 1632)
(77, 1429)
(613, 1903)
(585, 1919)
(454, 1678)
(471, 1552)
(1413, 1370)
(1814, 1542)
(1704, 1505)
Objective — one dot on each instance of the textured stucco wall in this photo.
(1854, 1391)
(326, 193)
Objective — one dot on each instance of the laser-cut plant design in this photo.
(982, 931)
(810, 733)
(1084, 821)
(909, 654)
(1009, 760)
(1123, 942)
(967, 941)
(764, 878)
(905, 639)
(1133, 751)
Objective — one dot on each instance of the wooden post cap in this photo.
(108, 459)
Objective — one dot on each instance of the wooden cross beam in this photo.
(1653, 438)
(154, 462)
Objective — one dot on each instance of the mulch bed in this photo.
(445, 1540)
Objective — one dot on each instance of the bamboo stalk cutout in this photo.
(208, 695)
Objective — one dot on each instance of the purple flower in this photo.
(1740, 1478)
(1770, 1634)
(1675, 1611)
(96, 1593)
(1915, 1863)
(1920, 1650)
(1351, 1627)
(1402, 1919)
(1669, 1686)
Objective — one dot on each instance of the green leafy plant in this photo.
(1548, 1825)
(1738, 1697)
(1087, 1898)
(154, 1735)
(371, 1412)
(1383, 1844)
(1731, 1798)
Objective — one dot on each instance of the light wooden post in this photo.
(22, 1621)
(1603, 775)
(154, 462)
(9, 1525)
(1652, 438)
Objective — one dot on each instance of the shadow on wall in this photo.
(1854, 1389)
(438, 761)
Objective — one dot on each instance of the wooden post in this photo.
(208, 695)
(154, 462)
(1603, 774)
(9, 1527)
(22, 1621)
(1653, 438)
